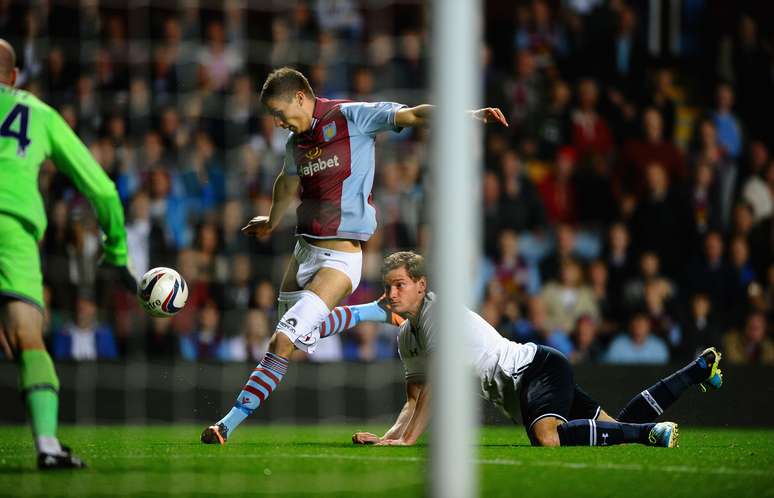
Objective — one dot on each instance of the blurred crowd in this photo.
(627, 211)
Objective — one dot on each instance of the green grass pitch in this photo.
(320, 461)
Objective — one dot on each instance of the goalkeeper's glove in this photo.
(120, 273)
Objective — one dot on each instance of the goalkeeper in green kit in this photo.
(30, 132)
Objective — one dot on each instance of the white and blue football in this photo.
(162, 292)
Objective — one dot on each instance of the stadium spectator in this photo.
(524, 91)
(634, 288)
(168, 210)
(490, 208)
(510, 269)
(565, 249)
(660, 222)
(659, 307)
(638, 155)
(85, 338)
(586, 346)
(757, 195)
(591, 134)
(139, 233)
(520, 206)
(219, 60)
(728, 128)
(624, 59)
(264, 299)
(558, 189)
(619, 257)
(161, 343)
(552, 123)
(724, 169)
(409, 66)
(199, 292)
(753, 83)
(374, 342)
(638, 345)
(608, 300)
(700, 330)
(712, 275)
(536, 328)
(706, 203)
(253, 341)
(663, 99)
(205, 343)
(235, 293)
(595, 200)
(540, 34)
(741, 265)
(568, 299)
(751, 345)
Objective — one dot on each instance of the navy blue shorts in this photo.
(548, 389)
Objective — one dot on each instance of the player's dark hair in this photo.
(413, 263)
(284, 83)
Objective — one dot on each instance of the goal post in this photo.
(456, 82)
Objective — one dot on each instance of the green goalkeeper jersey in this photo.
(30, 132)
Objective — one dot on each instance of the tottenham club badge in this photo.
(329, 131)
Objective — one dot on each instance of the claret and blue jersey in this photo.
(335, 162)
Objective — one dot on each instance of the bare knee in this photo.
(281, 345)
(23, 325)
(550, 440)
(605, 417)
(544, 432)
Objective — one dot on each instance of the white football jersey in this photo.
(498, 362)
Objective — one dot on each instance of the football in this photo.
(162, 292)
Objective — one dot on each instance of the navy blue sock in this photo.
(648, 405)
(587, 432)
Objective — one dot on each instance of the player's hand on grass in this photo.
(365, 438)
(490, 115)
(258, 226)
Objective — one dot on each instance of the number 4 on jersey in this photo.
(22, 112)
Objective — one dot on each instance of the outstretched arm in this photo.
(74, 160)
(403, 425)
(285, 188)
(406, 434)
(421, 114)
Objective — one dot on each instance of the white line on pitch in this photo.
(679, 469)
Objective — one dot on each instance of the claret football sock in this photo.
(347, 317)
(263, 381)
(587, 432)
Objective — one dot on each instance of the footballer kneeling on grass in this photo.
(538, 379)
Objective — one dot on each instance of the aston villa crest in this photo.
(329, 131)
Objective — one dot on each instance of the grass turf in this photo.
(320, 461)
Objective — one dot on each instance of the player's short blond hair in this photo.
(284, 83)
(413, 263)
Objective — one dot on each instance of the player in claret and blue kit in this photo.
(330, 156)
(30, 132)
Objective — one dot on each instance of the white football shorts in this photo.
(311, 258)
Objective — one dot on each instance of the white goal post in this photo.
(456, 81)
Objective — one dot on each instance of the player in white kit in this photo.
(555, 411)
